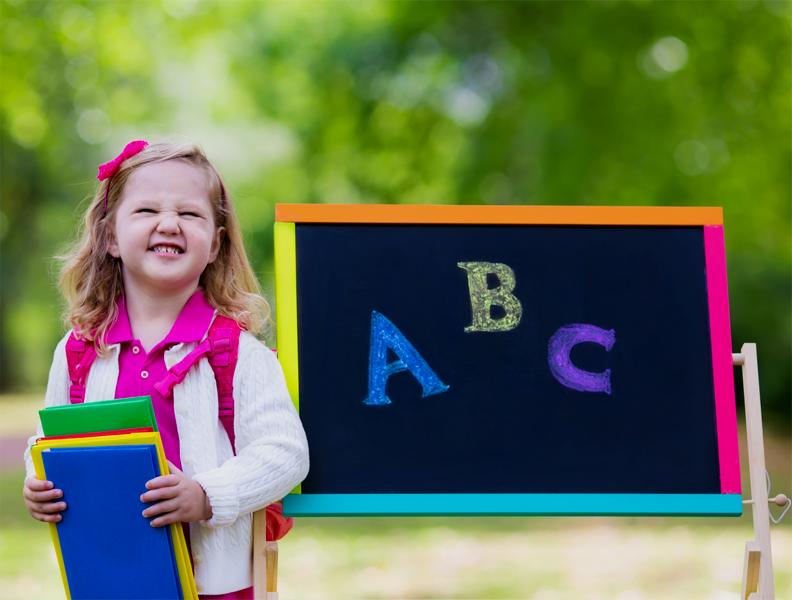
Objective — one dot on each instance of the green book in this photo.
(93, 417)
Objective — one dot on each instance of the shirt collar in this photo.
(120, 331)
(190, 326)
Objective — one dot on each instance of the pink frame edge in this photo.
(722, 366)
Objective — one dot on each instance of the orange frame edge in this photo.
(499, 215)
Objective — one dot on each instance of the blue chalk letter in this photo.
(384, 335)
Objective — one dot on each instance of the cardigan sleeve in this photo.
(57, 394)
(272, 451)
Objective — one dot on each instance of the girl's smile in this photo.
(167, 249)
(165, 231)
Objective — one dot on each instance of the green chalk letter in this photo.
(482, 298)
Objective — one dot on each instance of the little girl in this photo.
(160, 258)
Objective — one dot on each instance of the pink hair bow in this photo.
(109, 169)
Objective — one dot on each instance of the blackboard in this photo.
(542, 364)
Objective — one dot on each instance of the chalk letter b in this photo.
(384, 335)
(482, 298)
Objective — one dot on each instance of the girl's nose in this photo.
(168, 224)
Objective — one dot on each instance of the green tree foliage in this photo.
(598, 103)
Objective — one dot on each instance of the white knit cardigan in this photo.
(271, 449)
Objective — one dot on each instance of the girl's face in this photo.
(165, 232)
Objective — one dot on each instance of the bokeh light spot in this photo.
(28, 128)
(691, 157)
(664, 58)
(670, 53)
(81, 72)
(179, 9)
(466, 106)
(77, 23)
(93, 126)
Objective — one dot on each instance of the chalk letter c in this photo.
(561, 366)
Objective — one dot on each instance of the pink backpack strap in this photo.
(223, 365)
(80, 355)
(222, 346)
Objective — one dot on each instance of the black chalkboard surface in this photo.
(600, 383)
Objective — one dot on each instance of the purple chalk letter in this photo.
(568, 374)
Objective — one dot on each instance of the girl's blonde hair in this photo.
(91, 278)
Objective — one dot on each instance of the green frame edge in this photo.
(286, 304)
(436, 505)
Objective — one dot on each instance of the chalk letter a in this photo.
(384, 335)
(482, 298)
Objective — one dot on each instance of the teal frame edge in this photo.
(436, 505)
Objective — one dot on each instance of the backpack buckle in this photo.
(165, 387)
(221, 345)
(221, 352)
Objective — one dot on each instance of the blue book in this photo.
(110, 550)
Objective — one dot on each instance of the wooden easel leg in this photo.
(272, 570)
(260, 554)
(756, 459)
(750, 582)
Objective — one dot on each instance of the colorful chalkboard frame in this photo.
(727, 503)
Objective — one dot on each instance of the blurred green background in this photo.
(597, 103)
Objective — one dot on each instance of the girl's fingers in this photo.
(165, 519)
(161, 507)
(162, 481)
(50, 507)
(44, 496)
(37, 485)
(160, 494)
(46, 518)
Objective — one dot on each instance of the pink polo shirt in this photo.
(139, 371)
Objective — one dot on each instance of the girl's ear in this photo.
(218, 239)
(112, 245)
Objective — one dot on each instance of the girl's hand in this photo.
(37, 495)
(182, 499)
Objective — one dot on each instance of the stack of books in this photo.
(101, 454)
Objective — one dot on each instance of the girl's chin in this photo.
(165, 284)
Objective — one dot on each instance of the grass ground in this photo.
(538, 558)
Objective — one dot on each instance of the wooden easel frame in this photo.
(757, 582)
